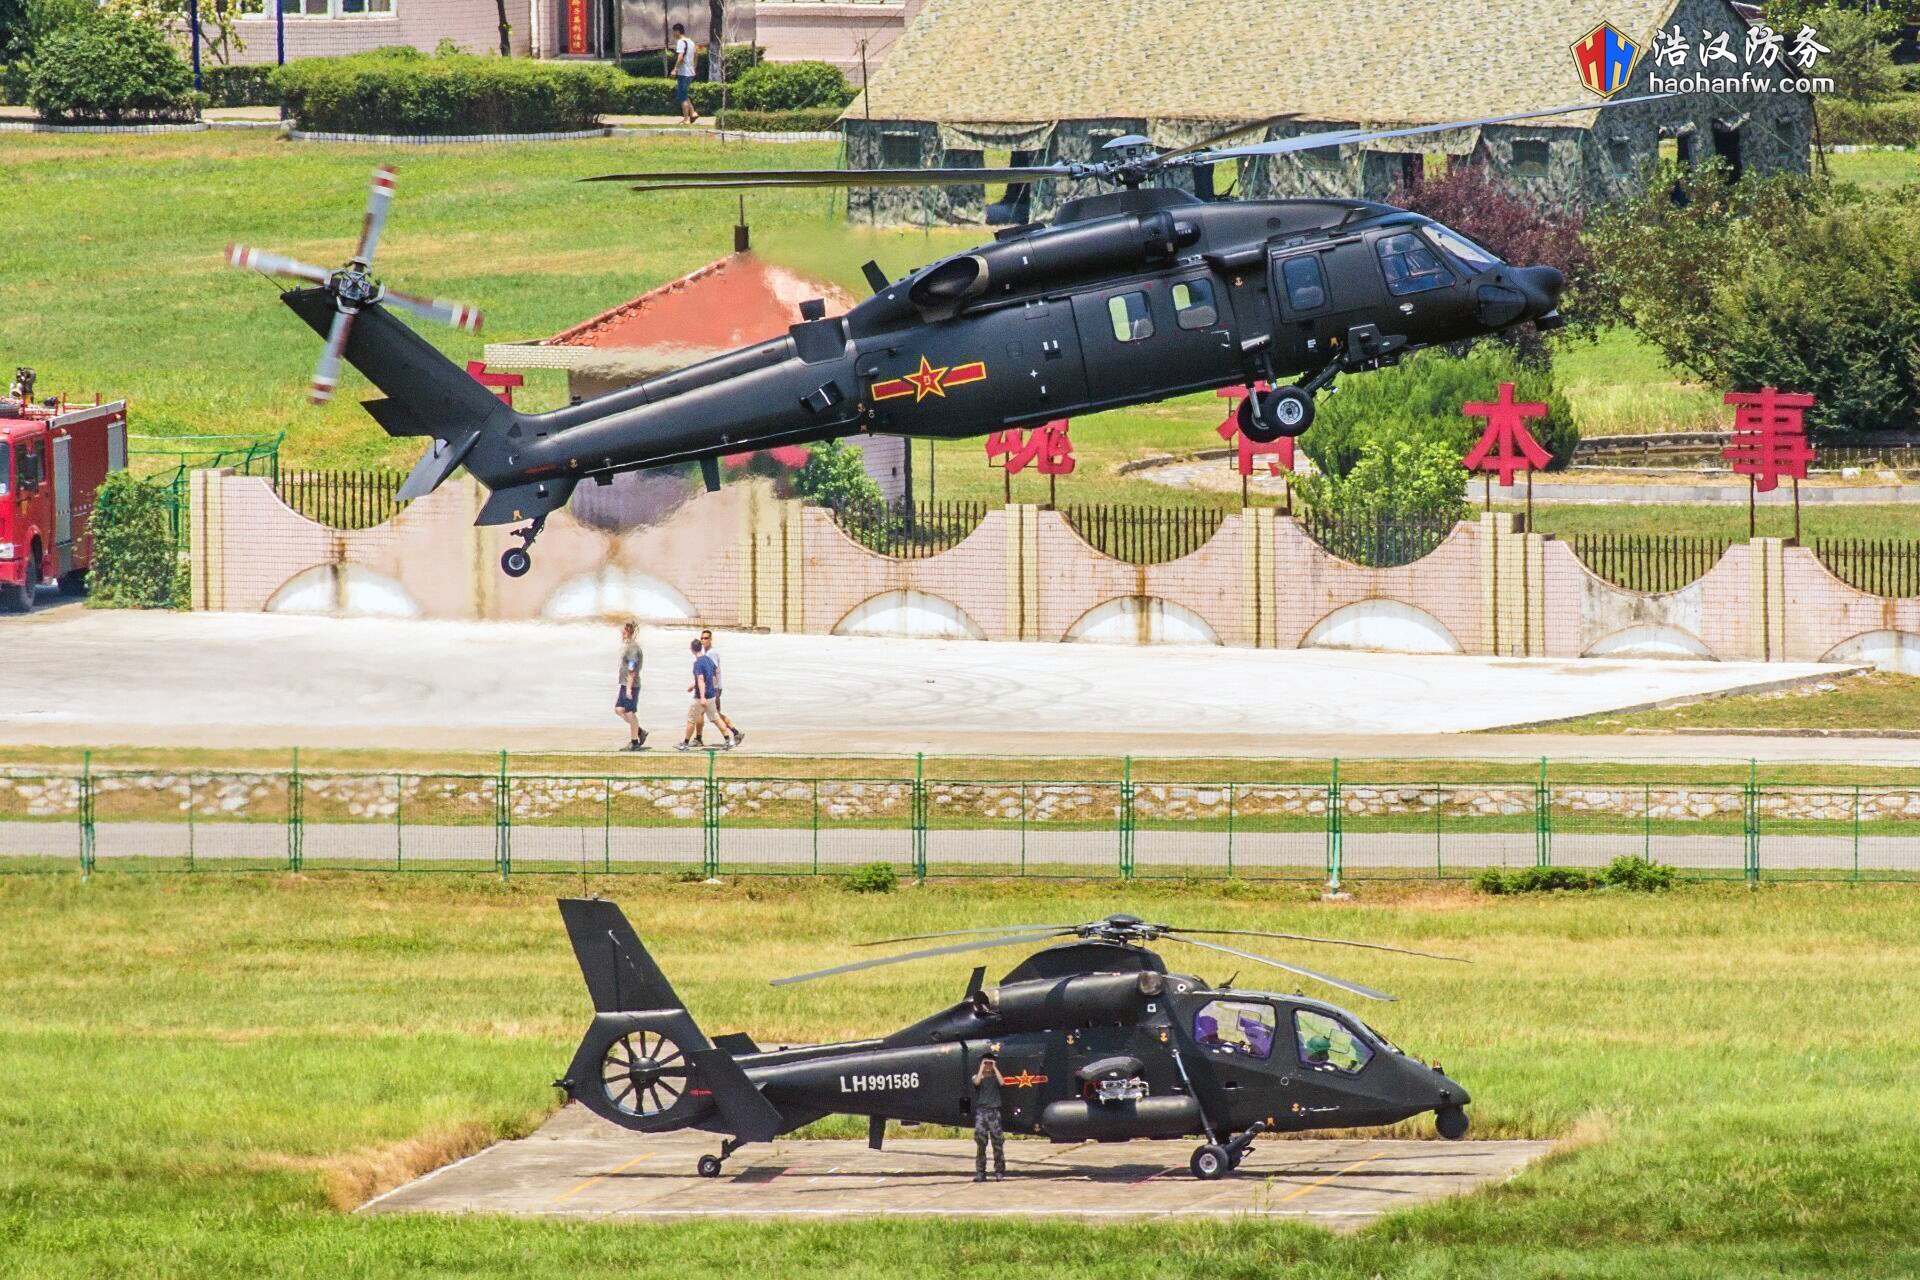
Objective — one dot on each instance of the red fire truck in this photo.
(53, 456)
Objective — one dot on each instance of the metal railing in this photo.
(1383, 542)
(929, 825)
(930, 527)
(1889, 567)
(1141, 534)
(342, 499)
(1648, 562)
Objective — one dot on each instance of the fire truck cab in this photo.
(53, 456)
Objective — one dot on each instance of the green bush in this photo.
(835, 476)
(135, 565)
(1637, 875)
(407, 93)
(791, 86)
(240, 86)
(110, 69)
(640, 96)
(875, 877)
(823, 120)
(1534, 880)
(1893, 123)
(24, 27)
(654, 63)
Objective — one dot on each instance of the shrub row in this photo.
(652, 63)
(111, 69)
(1895, 122)
(1627, 873)
(240, 86)
(388, 91)
(811, 120)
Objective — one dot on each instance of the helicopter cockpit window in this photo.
(1235, 1026)
(1305, 283)
(1327, 1044)
(1132, 319)
(1411, 264)
(1193, 306)
(1464, 251)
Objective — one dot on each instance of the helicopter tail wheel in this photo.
(1451, 1122)
(515, 562)
(708, 1166)
(643, 1074)
(1210, 1162)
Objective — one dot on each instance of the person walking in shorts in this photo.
(734, 735)
(626, 695)
(685, 60)
(702, 709)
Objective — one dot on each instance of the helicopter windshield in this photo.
(1329, 1045)
(1462, 250)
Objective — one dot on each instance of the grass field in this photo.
(1869, 701)
(203, 1073)
(117, 282)
(1724, 520)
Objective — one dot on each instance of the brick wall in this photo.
(474, 25)
(743, 558)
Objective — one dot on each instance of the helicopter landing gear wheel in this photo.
(1210, 1162)
(643, 1074)
(515, 562)
(1266, 416)
(1451, 1123)
(708, 1166)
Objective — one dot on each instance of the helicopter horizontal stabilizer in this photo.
(736, 1043)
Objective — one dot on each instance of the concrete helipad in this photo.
(577, 1166)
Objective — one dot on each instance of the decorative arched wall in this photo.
(613, 592)
(1141, 620)
(1649, 640)
(1381, 624)
(914, 614)
(349, 590)
(1888, 650)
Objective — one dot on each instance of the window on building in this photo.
(1322, 159)
(1327, 1044)
(320, 8)
(1410, 264)
(1305, 283)
(1193, 305)
(1530, 157)
(899, 151)
(1620, 157)
(1235, 1026)
(1132, 318)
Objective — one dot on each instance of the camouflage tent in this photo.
(1031, 81)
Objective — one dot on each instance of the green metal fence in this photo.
(928, 825)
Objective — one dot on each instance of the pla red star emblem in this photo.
(930, 380)
(1025, 1080)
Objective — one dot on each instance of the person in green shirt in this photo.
(626, 697)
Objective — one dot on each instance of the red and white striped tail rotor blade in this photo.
(379, 200)
(457, 314)
(326, 374)
(275, 264)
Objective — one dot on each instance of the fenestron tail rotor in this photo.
(1121, 929)
(353, 286)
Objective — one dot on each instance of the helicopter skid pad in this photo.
(576, 1166)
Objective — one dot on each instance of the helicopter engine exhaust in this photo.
(1054, 257)
(1086, 1000)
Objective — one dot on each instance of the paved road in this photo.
(576, 1166)
(101, 678)
(374, 846)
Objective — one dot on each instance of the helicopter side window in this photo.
(1305, 283)
(1193, 306)
(1328, 1045)
(1235, 1026)
(1132, 319)
(1411, 264)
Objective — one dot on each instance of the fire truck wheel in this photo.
(73, 584)
(20, 599)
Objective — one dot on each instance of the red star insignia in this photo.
(927, 381)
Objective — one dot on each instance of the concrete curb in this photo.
(450, 139)
(37, 126)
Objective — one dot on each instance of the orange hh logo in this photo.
(1025, 1080)
(930, 380)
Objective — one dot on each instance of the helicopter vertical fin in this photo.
(619, 973)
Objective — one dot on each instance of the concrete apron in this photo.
(576, 1166)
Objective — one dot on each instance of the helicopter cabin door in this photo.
(1156, 337)
(1329, 1081)
(1321, 291)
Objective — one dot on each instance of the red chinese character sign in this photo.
(1279, 452)
(1507, 445)
(1046, 448)
(1769, 441)
(502, 384)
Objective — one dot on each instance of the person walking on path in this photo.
(685, 61)
(986, 1121)
(734, 735)
(702, 709)
(626, 696)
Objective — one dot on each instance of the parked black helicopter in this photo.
(1096, 1039)
(1126, 296)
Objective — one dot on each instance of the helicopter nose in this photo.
(1517, 294)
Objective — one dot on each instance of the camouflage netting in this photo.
(936, 101)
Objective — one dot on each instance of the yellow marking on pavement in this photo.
(596, 1177)
(1295, 1195)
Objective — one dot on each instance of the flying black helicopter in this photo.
(1096, 1039)
(1129, 295)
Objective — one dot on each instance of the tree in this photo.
(219, 29)
(110, 68)
(835, 476)
(135, 565)
(1860, 54)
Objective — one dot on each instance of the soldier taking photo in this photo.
(986, 1121)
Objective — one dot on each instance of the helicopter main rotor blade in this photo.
(1337, 942)
(379, 201)
(326, 374)
(1340, 137)
(729, 180)
(982, 945)
(440, 310)
(957, 933)
(1341, 983)
(1214, 140)
(275, 264)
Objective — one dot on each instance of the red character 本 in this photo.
(1506, 446)
(1769, 436)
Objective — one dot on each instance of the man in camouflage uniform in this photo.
(986, 1121)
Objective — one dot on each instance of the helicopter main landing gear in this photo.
(1217, 1159)
(1266, 416)
(516, 561)
(709, 1166)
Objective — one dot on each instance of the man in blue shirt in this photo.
(703, 688)
(727, 727)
